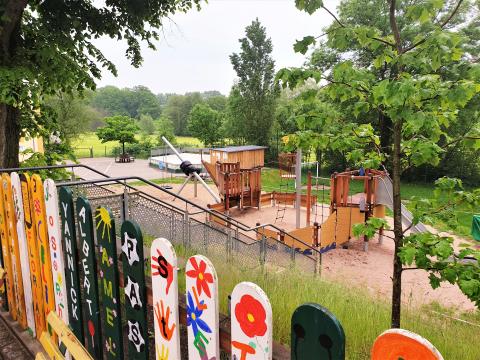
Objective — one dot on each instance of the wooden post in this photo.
(298, 186)
(309, 197)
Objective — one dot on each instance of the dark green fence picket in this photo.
(72, 278)
(90, 285)
(135, 290)
(316, 334)
(109, 285)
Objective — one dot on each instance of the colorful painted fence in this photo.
(72, 282)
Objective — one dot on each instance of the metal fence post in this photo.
(186, 228)
(263, 248)
(205, 229)
(172, 224)
(125, 205)
(229, 244)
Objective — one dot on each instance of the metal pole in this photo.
(198, 177)
(298, 186)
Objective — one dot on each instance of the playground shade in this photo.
(476, 227)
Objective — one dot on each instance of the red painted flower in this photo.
(251, 316)
(203, 278)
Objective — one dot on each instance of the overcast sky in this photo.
(194, 54)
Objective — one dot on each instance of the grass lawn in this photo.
(89, 140)
(271, 182)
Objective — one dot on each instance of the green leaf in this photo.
(470, 287)
(301, 46)
(407, 255)
(310, 6)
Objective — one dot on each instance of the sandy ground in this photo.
(354, 267)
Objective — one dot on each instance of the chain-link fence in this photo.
(157, 218)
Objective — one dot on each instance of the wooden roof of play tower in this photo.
(249, 156)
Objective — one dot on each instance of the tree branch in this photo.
(333, 15)
(394, 26)
(442, 25)
(10, 20)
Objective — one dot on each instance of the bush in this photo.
(140, 150)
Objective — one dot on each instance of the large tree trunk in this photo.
(10, 19)
(397, 226)
(9, 136)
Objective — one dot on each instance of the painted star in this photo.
(134, 335)
(132, 255)
(132, 291)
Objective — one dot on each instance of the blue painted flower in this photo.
(193, 316)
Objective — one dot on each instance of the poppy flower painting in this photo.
(251, 316)
(203, 278)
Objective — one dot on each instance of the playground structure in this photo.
(122, 267)
(237, 173)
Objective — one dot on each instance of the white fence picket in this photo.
(202, 309)
(251, 319)
(56, 249)
(165, 299)
(22, 244)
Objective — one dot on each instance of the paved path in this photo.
(10, 345)
(108, 166)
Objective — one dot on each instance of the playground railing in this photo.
(180, 218)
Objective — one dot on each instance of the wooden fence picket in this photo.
(251, 323)
(33, 255)
(56, 249)
(23, 250)
(72, 279)
(316, 334)
(40, 224)
(135, 290)
(165, 299)
(202, 309)
(88, 262)
(14, 250)
(109, 283)
(397, 344)
(7, 259)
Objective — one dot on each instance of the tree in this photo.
(205, 124)
(234, 127)
(146, 124)
(255, 71)
(46, 47)
(73, 114)
(416, 102)
(178, 108)
(374, 13)
(118, 128)
(165, 128)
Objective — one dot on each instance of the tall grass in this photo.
(362, 316)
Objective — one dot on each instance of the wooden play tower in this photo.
(237, 173)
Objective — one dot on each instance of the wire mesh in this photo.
(157, 219)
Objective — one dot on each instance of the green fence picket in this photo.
(72, 278)
(90, 284)
(316, 334)
(109, 285)
(135, 290)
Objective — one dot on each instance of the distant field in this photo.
(90, 140)
(188, 140)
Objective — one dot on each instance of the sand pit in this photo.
(353, 266)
